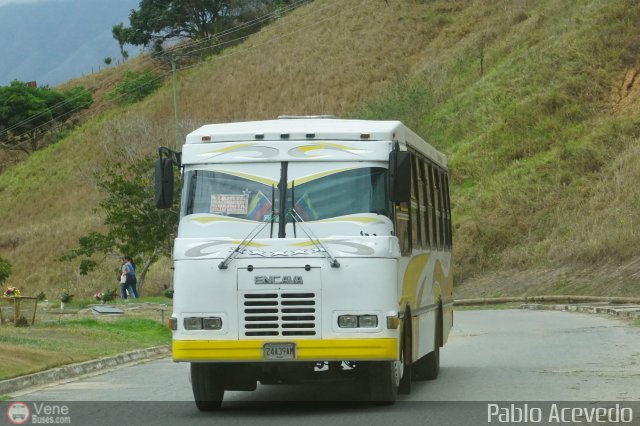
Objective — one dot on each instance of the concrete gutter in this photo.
(74, 370)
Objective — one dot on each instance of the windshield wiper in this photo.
(250, 237)
(315, 240)
(243, 244)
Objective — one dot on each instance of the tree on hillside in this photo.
(28, 112)
(135, 226)
(121, 34)
(158, 21)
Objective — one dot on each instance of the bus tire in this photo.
(207, 383)
(404, 387)
(432, 364)
(384, 379)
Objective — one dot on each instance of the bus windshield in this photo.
(359, 190)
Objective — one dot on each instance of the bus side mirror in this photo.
(399, 176)
(164, 183)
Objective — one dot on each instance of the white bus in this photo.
(309, 247)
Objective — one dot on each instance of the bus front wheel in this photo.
(384, 379)
(207, 383)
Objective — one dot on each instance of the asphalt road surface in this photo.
(531, 359)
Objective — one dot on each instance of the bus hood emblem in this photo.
(278, 279)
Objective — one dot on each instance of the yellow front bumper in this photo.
(306, 350)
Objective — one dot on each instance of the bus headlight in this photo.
(192, 323)
(358, 321)
(368, 321)
(212, 323)
(347, 321)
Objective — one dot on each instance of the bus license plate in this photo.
(279, 351)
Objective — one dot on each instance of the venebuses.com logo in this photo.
(18, 413)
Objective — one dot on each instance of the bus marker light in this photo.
(393, 322)
(173, 324)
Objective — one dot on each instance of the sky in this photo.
(53, 41)
(3, 2)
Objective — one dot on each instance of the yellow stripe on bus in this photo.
(306, 350)
(411, 279)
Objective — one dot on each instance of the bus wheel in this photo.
(432, 364)
(404, 388)
(384, 379)
(207, 383)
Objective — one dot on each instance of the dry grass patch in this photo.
(51, 343)
(18, 360)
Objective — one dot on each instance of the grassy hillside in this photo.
(535, 102)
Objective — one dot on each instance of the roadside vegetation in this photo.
(75, 334)
(537, 104)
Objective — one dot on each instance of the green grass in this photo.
(25, 350)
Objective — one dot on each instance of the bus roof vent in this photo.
(294, 117)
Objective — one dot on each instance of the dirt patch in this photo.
(625, 96)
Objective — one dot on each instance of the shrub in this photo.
(134, 87)
(5, 270)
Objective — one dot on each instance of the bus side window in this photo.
(403, 226)
(416, 220)
(447, 209)
(439, 208)
(435, 219)
(424, 219)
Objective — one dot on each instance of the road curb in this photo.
(624, 307)
(81, 368)
(565, 300)
(623, 311)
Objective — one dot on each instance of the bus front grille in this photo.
(280, 314)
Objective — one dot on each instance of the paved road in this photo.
(492, 355)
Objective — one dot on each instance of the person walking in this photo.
(123, 279)
(132, 280)
(128, 278)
